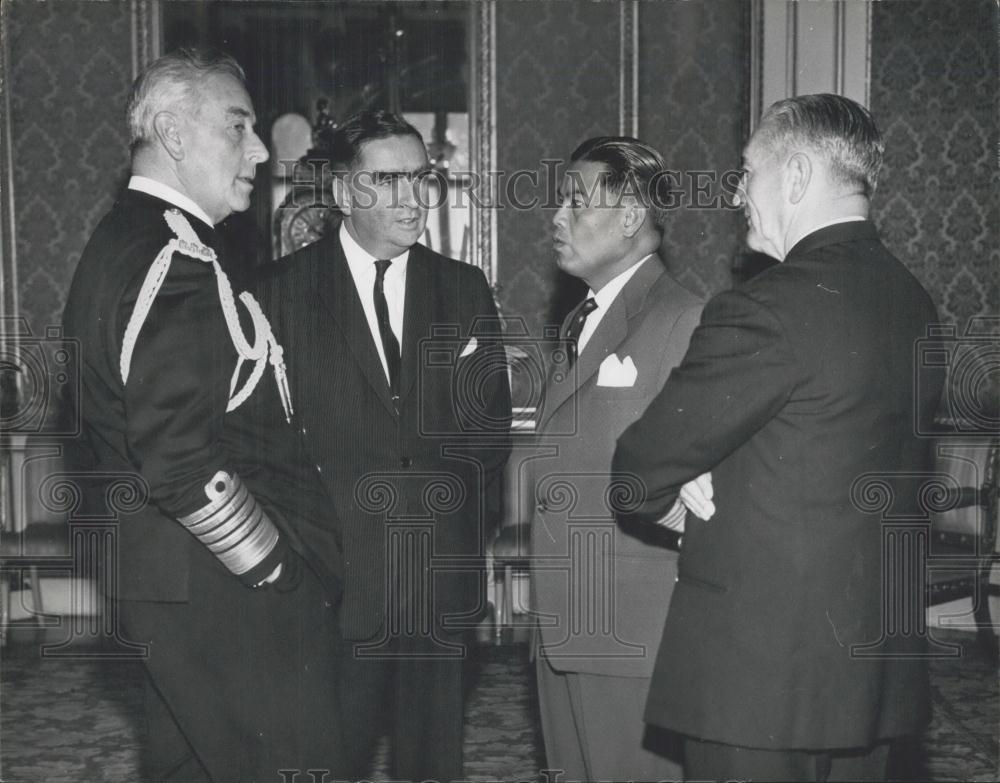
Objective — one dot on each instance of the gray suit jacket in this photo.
(601, 592)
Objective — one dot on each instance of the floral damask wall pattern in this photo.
(934, 92)
(693, 61)
(933, 89)
(70, 71)
(558, 83)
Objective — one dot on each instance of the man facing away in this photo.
(775, 663)
(403, 405)
(211, 573)
(600, 618)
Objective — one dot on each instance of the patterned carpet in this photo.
(78, 720)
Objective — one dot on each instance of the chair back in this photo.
(972, 464)
(27, 463)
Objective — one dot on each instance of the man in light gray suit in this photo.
(600, 593)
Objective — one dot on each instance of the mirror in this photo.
(310, 65)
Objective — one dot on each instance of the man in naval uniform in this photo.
(221, 574)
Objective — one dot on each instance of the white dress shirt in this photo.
(604, 299)
(362, 266)
(848, 219)
(156, 188)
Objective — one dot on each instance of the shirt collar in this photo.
(160, 190)
(848, 219)
(613, 287)
(360, 260)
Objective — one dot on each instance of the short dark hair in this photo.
(632, 166)
(841, 130)
(171, 81)
(367, 125)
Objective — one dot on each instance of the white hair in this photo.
(171, 82)
(840, 129)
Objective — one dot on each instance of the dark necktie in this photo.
(576, 326)
(389, 342)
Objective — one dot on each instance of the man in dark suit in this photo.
(404, 408)
(775, 662)
(601, 614)
(210, 574)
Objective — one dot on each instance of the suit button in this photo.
(319, 469)
(405, 463)
(303, 431)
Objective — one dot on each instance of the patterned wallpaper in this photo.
(693, 98)
(71, 68)
(934, 93)
(558, 83)
(934, 90)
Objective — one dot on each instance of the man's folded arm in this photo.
(736, 375)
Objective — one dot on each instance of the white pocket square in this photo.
(617, 372)
(469, 347)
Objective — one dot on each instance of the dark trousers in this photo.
(168, 757)
(715, 761)
(592, 730)
(241, 682)
(410, 688)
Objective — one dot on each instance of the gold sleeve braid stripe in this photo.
(232, 525)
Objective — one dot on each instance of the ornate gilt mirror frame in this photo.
(482, 133)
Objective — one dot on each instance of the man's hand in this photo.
(697, 496)
(272, 577)
(286, 576)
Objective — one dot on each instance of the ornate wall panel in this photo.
(557, 84)
(805, 48)
(69, 70)
(693, 98)
(934, 93)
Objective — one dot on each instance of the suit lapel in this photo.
(416, 318)
(560, 386)
(611, 332)
(340, 296)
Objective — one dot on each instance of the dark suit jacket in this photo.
(169, 423)
(796, 384)
(604, 616)
(434, 467)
